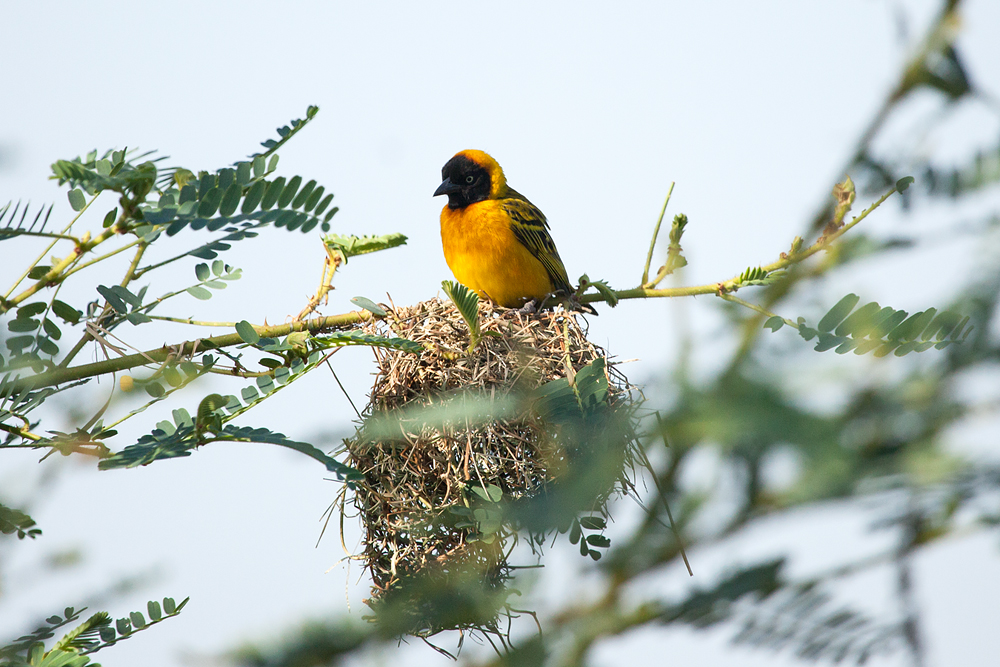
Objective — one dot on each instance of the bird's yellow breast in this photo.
(483, 253)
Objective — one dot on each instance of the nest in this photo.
(449, 420)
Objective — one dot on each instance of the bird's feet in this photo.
(529, 308)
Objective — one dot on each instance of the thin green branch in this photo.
(734, 283)
(103, 257)
(47, 235)
(186, 349)
(45, 252)
(188, 320)
(55, 273)
(129, 276)
(656, 232)
(759, 309)
(20, 432)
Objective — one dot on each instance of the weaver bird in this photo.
(496, 242)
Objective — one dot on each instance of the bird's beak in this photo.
(447, 187)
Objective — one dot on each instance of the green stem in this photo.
(55, 273)
(759, 309)
(188, 320)
(48, 249)
(656, 232)
(187, 348)
(103, 257)
(129, 276)
(734, 283)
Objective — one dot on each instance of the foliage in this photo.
(882, 441)
(95, 633)
(233, 204)
(467, 303)
(16, 521)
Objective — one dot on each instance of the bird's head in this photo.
(469, 177)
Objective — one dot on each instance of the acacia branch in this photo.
(187, 348)
(726, 286)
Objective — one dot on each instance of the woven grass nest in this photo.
(445, 424)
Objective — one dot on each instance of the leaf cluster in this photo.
(95, 633)
(16, 521)
(881, 330)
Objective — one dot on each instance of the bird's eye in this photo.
(469, 179)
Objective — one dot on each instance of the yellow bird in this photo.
(496, 242)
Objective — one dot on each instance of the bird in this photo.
(495, 241)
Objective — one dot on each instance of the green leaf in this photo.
(598, 541)
(904, 183)
(593, 523)
(199, 292)
(48, 347)
(289, 192)
(76, 199)
(181, 417)
(838, 312)
(230, 200)
(137, 620)
(492, 493)
(125, 295)
(341, 338)
(226, 178)
(369, 305)
(303, 194)
(314, 199)
(351, 246)
(603, 289)
(169, 606)
(249, 394)
(153, 608)
(273, 192)
(860, 322)
(38, 271)
(247, 333)
(172, 376)
(210, 203)
(912, 326)
(113, 299)
(774, 323)
(253, 197)
(323, 204)
(202, 272)
(15, 521)
(30, 310)
(154, 389)
(66, 312)
(243, 173)
(467, 303)
(20, 325)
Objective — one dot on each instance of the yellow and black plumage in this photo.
(496, 242)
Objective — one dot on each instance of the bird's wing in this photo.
(532, 230)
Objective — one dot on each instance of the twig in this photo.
(656, 232)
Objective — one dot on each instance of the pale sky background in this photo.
(592, 110)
